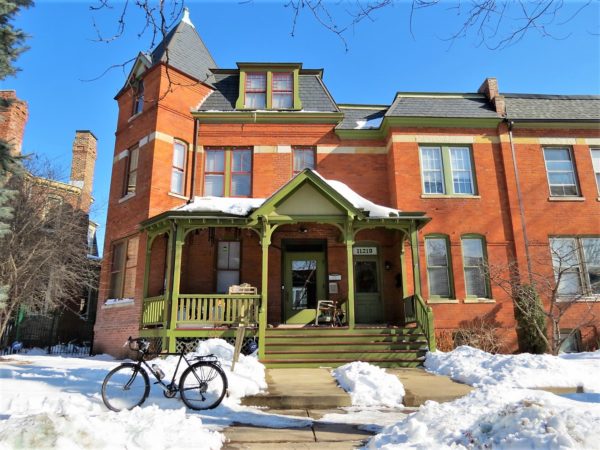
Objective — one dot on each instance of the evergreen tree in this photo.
(12, 40)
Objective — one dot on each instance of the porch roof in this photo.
(337, 200)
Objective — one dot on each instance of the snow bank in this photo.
(227, 205)
(499, 418)
(369, 385)
(478, 368)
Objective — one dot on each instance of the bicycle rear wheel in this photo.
(125, 387)
(203, 385)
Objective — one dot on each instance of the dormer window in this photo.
(138, 97)
(269, 87)
(256, 90)
(283, 90)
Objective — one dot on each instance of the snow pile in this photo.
(227, 205)
(369, 385)
(496, 417)
(74, 427)
(478, 368)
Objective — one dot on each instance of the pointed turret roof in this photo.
(184, 50)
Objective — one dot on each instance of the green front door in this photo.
(304, 284)
(367, 290)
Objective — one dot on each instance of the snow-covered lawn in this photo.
(55, 402)
(502, 413)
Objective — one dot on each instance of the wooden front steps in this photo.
(335, 346)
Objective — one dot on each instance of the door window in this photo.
(228, 265)
(304, 284)
(366, 277)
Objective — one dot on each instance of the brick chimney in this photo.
(12, 120)
(82, 165)
(489, 87)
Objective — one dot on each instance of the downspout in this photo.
(194, 151)
(520, 200)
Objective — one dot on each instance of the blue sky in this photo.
(382, 58)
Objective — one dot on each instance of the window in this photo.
(596, 164)
(122, 268)
(438, 274)
(256, 90)
(576, 262)
(131, 166)
(304, 158)
(228, 265)
(570, 341)
(447, 170)
(228, 172)
(138, 97)
(178, 169)
(282, 91)
(476, 282)
(561, 172)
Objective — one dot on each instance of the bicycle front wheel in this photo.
(203, 385)
(125, 387)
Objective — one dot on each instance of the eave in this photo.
(267, 117)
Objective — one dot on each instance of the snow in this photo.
(369, 385)
(227, 205)
(360, 202)
(55, 402)
(499, 418)
(366, 124)
(478, 368)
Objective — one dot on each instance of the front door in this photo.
(304, 284)
(367, 290)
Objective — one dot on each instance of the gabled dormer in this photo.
(269, 86)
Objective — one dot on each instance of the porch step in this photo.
(332, 347)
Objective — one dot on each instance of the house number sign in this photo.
(362, 251)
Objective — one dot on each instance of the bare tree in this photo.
(44, 262)
(559, 288)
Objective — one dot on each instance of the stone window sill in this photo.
(434, 301)
(450, 196)
(566, 199)
(176, 195)
(135, 116)
(479, 300)
(127, 197)
(590, 299)
(118, 303)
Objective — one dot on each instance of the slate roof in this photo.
(313, 94)
(469, 106)
(553, 107)
(186, 52)
(353, 115)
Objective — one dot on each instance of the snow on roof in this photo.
(368, 124)
(243, 206)
(228, 205)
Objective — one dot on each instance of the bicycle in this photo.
(201, 386)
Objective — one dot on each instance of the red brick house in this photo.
(256, 175)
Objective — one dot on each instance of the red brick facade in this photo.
(385, 170)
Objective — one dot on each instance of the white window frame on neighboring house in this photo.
(447, 170)
(556, 168)
(595, 152)
(576, 259)
(433, 267)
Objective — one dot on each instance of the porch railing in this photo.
(154, 312)
(415, 310)
(216, 309)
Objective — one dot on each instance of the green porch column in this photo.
(349, 241)
(414, 248)
(265, 242)
(146, 276)
(176, 274)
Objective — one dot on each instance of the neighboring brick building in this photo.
(214, 185)
(66, 324)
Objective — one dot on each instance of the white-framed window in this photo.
(228, 265)
(131, 168)
(282, 94)
(576, 262)
(438, 266)
(178, 168)
(256, 90)
(447, 170)
(304, 158)
(474, 262)
(596, 165)
(560, 169)
(123, 268)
